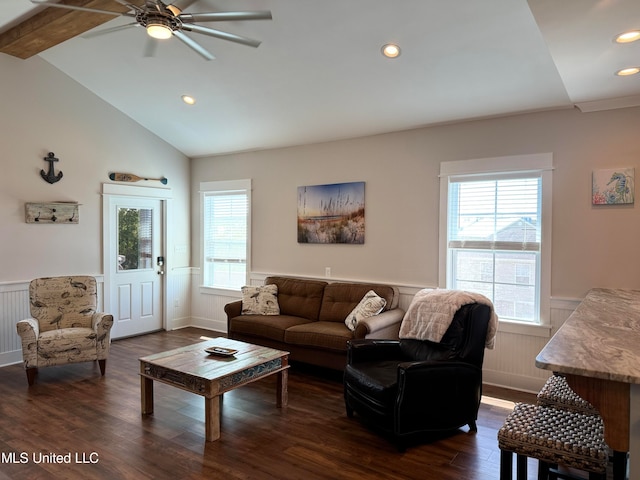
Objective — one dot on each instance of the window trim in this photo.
(540, 163)
(221, 187)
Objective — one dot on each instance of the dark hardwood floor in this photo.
(75, 424)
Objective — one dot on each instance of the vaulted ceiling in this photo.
(319, 75)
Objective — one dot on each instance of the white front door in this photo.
(135, 264)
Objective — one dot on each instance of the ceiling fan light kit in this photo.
(158, 26)
(159, 31)
(162, 21)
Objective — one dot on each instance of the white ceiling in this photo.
(319, 74)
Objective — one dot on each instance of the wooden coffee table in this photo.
(192, 369)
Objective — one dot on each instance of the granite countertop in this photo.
(600, 339)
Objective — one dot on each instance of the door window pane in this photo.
(135, 240)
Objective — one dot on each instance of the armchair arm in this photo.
(101, 324)
(364, 350)
(233, 309)
(29, 329)
(383, 325)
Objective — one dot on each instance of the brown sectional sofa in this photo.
(311, 324)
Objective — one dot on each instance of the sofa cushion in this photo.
(261, 300)
(76, 344)
(371, 304)
(341, 298)
(298, 297)
(325, 335)
(267, 326)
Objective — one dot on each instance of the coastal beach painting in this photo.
(331, 213)
(613, 186)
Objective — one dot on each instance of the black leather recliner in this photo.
(410, 387)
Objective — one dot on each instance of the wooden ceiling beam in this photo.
(54, 25)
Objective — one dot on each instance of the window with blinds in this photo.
(225, 238)
(494, 242)
(495, 223)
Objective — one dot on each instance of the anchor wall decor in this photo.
(50, 176)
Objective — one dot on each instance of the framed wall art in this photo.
(613, 186)
(331, 213)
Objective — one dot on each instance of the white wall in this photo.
(44, 111)
(592, 246)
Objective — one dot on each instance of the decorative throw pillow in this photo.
(370, 305)
(261, 300)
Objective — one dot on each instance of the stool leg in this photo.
(506, 465)
(521, 467)
(543, 470)
(619, 465)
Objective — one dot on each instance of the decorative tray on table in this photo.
(222, 351)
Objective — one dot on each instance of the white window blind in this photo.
(495, 214)
(225, 238)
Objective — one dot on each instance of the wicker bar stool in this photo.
(557, 393)
(553, 437)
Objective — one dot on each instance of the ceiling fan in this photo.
(162, 20)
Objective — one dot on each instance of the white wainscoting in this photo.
(14, 306)
(207, 304)
(179, 298)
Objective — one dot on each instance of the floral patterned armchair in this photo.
(65, 327)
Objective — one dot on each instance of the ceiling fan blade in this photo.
(150, 47)
(130, 5)
(222, 35)
(104, 31)
(225, 16)
(193, 45)
(179, 5)
(84, 9)
(156, 4)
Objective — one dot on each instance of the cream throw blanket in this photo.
(431, 312)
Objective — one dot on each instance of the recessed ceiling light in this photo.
(188, 99)
(390, 50)
(628, 71)
(628, 37)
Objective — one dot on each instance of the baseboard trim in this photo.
(521, 383)
(208, 324)
(10, 358)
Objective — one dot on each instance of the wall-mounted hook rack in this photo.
(52, 212)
